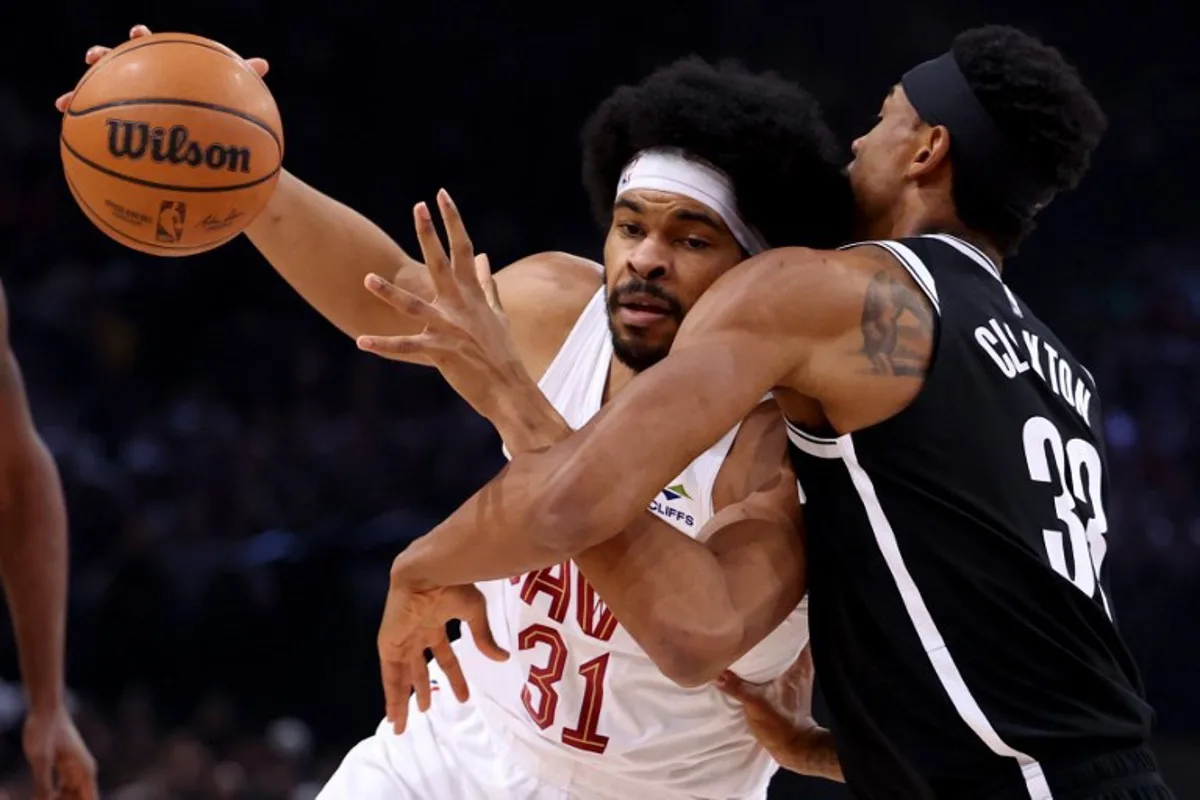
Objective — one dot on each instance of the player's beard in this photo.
(632, 350)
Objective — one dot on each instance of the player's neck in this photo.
(619, 376)
(917, 219)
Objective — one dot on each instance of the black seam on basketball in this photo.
(96, 217)
(168, 186)
(139, 46)
(174, 101)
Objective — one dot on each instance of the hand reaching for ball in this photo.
(97, 52)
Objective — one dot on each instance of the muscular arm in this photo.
(896, 325)
(811, 752)
(551, 505)
(325, 250)
(33, 537)
(704, 603)
(791, 318)
(723, 592)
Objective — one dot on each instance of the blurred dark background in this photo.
(239, 475)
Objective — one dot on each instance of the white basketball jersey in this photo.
(578, 695)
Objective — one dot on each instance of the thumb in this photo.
(738, 689)
(481, 632)
(483, 274)
(730, 684)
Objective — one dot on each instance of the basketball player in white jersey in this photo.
(583, 707)
(33, 570)
(690, 172)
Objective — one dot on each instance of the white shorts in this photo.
(444, 754)
(451, 752)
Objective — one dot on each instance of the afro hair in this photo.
(1040, 104)
(766, 134)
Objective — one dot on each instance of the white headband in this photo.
(668, 170)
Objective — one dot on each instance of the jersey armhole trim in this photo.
(924, 279)
(916, 268)
(911, 262)
(562, 358)
(816, 446)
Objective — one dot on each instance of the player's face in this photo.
(882, 159)
(663, 250)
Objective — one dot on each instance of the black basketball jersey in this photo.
(959, 606)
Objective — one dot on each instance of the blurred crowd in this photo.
(212, 757)
(239, 475)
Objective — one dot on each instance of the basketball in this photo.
(171, 144)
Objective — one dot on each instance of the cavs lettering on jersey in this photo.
(579, 696)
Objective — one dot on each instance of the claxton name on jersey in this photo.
(1030, 353)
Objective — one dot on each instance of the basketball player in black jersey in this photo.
(948, 445)
(33, 568)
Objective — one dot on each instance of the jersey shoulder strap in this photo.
(575, 379)
(909, 258)
(584, 352)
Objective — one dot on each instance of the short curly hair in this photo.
(767, 134)
(1045, 112)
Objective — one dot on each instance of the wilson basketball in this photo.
(171, 144)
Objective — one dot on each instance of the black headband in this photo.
(941, 95)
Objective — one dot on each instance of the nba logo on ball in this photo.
(170, 221)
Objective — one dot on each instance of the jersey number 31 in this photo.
(1074, 469)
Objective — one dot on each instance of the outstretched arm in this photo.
(736, 344)
(724, 591)
(325, 249)
(792, 319)
(702, 603)
(800, 321)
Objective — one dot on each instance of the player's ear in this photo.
(933, 152)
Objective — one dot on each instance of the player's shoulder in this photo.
(797, 288)
(549, 283)
(837, 273)
(843, 282)
(543, 296)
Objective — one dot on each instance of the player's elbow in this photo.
(560, 526)
(690, 670)
(690, 659)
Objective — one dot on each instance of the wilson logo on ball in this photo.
(131, 139)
